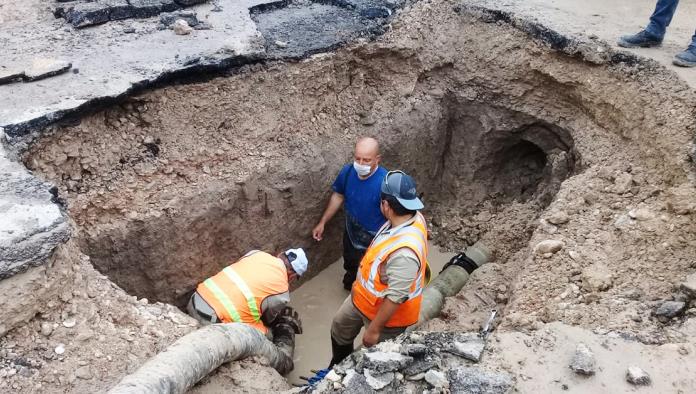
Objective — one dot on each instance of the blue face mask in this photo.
(363, 170)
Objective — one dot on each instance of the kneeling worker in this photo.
(254, 290)
(387, 293)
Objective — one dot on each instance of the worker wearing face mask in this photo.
(357, 187)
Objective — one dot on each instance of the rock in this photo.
(548, 246)
(640, 214)
(378, 381)
(474, 380)
(583, 361)
(60, 349)
(682, 200)
(46, 329)
(182, 28)
(187, 3)
(386, 361)
(596, 277)
(635, 375)
(43, 68)
(356, 383)
(436, 379)
(558, 217)
(333, 376)
(689, 286)
(83, 373)
(93, 13)
(280, 44)
(670, 309)
(69, 323)
(418, 376)
(623, 183)
(414, 349)
(168, 19)
(419, 367)
(470, 350)
(150, 8)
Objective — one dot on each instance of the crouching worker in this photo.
(254, 290)
(386, 296)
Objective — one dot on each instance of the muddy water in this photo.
(316, 301)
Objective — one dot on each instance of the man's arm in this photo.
(272, 306)
(374, 330)
(332, 207)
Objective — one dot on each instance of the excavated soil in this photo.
(511, 141)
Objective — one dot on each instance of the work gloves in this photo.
(290, 318)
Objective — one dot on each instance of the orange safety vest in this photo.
(236, 292)
(368, 289)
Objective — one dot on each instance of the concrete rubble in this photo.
(583, 362)
(635, 375)
(420, 361)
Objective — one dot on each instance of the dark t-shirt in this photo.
(361, 198)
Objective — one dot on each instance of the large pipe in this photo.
(450, 281)
(197, 354)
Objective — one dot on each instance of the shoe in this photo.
(641, 39)
(686, 58)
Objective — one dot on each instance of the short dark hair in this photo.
(396, 206)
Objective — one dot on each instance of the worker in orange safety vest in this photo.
(253, 290)
(386, 296)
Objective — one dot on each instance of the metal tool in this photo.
(489, 324)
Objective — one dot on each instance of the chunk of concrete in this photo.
(475, 380)
(436, 379)
(378, 381)
(386, 361)
(583, 362)
(10, 75)
(43, 68)
(418, 367)
(635, 375)
(187, 3)
(149, 8)
(356, 383)
(470, 350)
(94, 13)
(32, 225)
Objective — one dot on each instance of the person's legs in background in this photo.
(655, 31)
(351, 261)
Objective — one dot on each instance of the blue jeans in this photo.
(661, 18)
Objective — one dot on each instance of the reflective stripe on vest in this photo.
(369, 289)
(251, 301)
(226, 302)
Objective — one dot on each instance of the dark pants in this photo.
(351, 261)
(662, 17)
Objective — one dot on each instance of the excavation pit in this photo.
(168, 186)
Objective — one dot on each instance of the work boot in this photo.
(686, 58)
(339, 352)
(641, 39)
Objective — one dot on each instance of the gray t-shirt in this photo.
(400, 269)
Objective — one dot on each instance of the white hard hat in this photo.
(298, 260)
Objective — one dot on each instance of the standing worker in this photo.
(387, 294)
(254, 290)
(358, 186)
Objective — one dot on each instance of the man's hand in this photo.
(318, 232)
(371, 336)
(289, 317)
